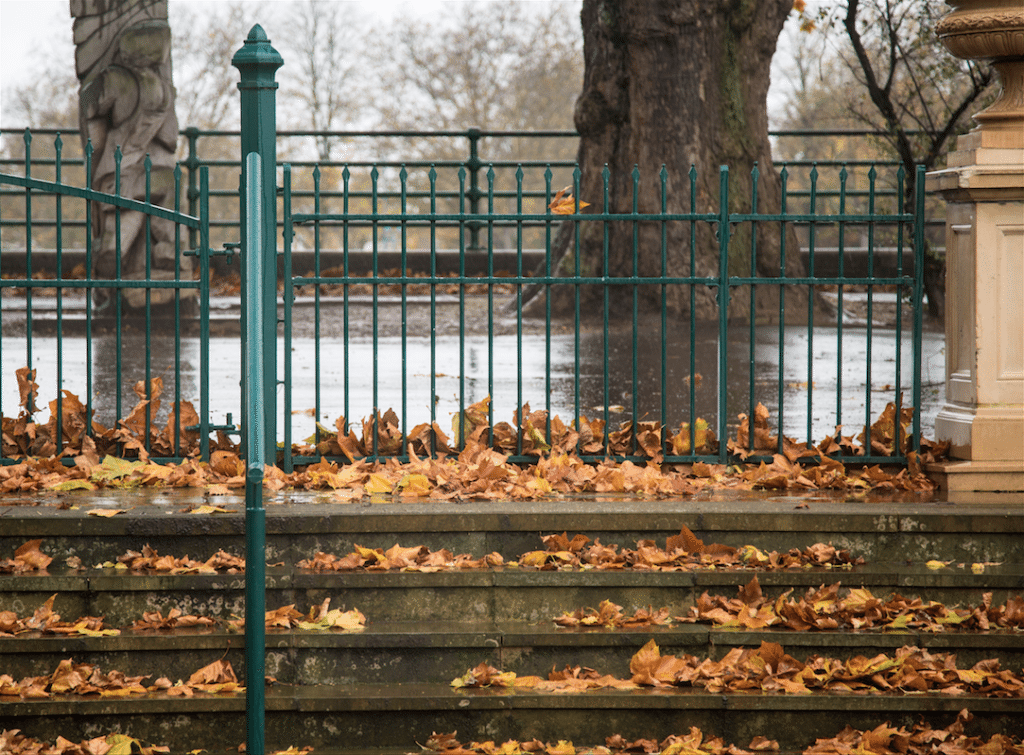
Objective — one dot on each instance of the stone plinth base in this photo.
(977, 481)
(983, 418)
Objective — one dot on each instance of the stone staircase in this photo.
(388, 688)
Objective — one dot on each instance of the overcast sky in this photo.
(25, 26)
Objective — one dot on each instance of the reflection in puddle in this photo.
(646, 374)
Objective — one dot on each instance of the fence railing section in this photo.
(621, 364)
(625, 366)
(97, 345)
(473, 150)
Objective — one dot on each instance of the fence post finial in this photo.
(257, 62)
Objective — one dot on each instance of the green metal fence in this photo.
(367, 329)
(473, 149)
(78, 336)
(399, 318)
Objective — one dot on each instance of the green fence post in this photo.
(254, 418)
(257, 62)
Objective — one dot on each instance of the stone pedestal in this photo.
(983, 417)
(983, 185)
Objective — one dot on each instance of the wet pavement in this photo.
(852, 377)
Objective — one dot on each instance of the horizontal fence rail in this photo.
(474, 150)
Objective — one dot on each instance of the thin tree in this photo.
(909, 88)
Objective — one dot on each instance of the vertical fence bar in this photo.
(692, 417)
(784, 176)
(605, 232)
(634, 373)
(461, 440)
(257, 61)
(254, 419)
(317, 398)
(59, 221)
(28, 257)
(375, 317)
(88, 290)
(490, 309)
(147, 225)
(872, 174)
(289, 301)
(663, 183)
(755, 175)
(898, 382)
(723, 309)
(403, 417)
(204, 313)
(519, 297)
(346, 177)
(839, 303)
(118, 314)
(919, 241)
(176, 405)
(432, 176)
(473, 165)
(810, 302)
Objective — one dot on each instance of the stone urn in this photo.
(991, 30)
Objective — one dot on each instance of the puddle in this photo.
(824, 380)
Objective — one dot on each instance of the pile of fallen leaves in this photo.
(693, 743)
(27, 558)
(825, 608)
(770, 669)
(921, 739)
(12, 742)
(682, 552)
(151, 561)
(472, 463)
(320, 618)
(45, 621)
(70, 678)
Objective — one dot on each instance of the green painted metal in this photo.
(257, 62)
(256, 432)
(72, 304)
(812, 217)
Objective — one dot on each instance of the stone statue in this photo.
(126, 100)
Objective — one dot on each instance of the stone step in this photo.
(399, 715)
(393, 653)
(498, 594)
(300, 524)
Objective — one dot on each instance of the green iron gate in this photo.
(103, 337)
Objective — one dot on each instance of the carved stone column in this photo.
(126, 101)
(983, 185)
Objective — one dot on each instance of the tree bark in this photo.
(676, 83)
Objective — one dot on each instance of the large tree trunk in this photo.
(677, 83)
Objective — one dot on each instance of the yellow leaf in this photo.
(978, 568)
(120, 744)
(104, 512)
(415, 485)
(933, 564)
(378, 484)
(208, 509)
(67, 485)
